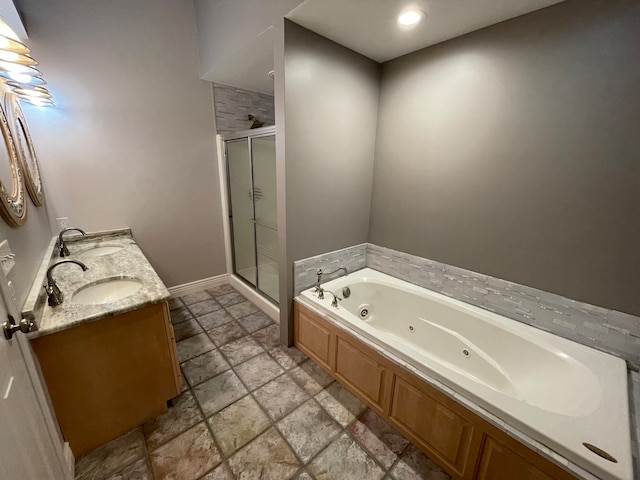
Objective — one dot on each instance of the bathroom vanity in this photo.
(108, 352)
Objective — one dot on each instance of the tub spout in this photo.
(320, 273)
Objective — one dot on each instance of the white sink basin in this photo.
(106, 291)
(100, 251)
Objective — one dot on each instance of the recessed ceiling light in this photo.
(410, 17)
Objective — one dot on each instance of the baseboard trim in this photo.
(265, 305)
(198, 285)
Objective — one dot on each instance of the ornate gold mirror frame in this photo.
(13, 206)
(24, 148)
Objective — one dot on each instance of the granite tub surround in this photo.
(611, 331)
(127, 262)
(282, 418)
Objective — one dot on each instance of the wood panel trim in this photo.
(322, 352)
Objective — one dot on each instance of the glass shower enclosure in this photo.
(251, 180)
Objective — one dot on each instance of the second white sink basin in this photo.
(106, 291)
(100, 251)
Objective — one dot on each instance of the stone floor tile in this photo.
(311, 377)
(341, 404)
(415, 465)
(379, 438)
(287, 357)
(255, 321)
(242, 309)
(214, 319)
(186, 457)
(183, 415)
(231, 298)
(342, 459)
(204, 366)
(280, 396)
(206, 306)
(304, 475)
(268, 337)
(195, 297)
(229, 332)
(180, 314)
(194, 346)
(238, 424)
(221, 472)
(138, 470)
(221, 290)
(186, 329)
(266, 458)
(259, 370)
(175, 302)
(241, 350)
(308, 429)
(218, 392)
(111, 457)
(185, 385)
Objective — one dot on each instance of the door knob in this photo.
(9, 327)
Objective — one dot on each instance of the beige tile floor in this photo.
(253, 409)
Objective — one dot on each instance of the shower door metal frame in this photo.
(248, 135)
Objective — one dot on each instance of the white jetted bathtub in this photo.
(559, 392)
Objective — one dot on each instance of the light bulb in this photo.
(410, 17)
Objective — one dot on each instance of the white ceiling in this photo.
(249, 66)
(370, 27)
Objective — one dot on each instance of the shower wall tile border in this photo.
(304, 271)
(611, 331)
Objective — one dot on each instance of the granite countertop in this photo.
(129, 262)
(549, 454)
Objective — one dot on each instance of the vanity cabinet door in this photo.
(436, 425)
(360, 370)
(109, 376)
(314, 337)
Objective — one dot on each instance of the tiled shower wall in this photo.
(232, 105)
(607, 330)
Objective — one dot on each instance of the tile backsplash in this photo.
(232, 105)
(304, 271)
(607, 330)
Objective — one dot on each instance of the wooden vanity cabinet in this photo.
(108, 376)
(463, 444)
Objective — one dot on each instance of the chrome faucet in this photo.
(54, 295)
(64, 251)
(320, 273)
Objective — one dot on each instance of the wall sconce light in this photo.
(17, 68)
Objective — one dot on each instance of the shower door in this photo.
(251, 170)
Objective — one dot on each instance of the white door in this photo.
(30, 445)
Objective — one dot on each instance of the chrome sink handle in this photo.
(54, 295)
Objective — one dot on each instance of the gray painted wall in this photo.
(28, 242)
(331, 106)
(131, 142)
(513, 151)
(233, 104)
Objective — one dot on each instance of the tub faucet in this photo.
(319, 273)
(334, 302)
(64, 251)
(54, 295)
